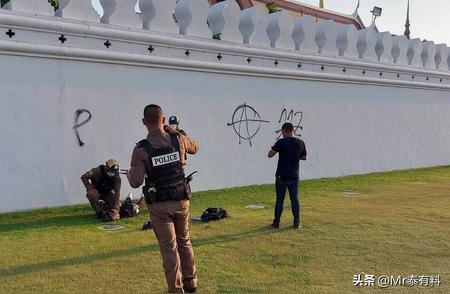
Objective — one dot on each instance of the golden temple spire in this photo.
(407, 32)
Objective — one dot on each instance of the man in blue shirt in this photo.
(291, 150)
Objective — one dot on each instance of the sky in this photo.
(429, 18)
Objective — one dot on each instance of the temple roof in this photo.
(302, 8)
(318, 12)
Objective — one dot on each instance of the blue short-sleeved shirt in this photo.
(290, 149)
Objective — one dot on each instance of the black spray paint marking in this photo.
(252, 122)
(293, 117)
(77, 125)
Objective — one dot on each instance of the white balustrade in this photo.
(347, 40)
(399, 50)
(279, 30)
(367, 40)
(414, 52)
(326, 36)
(223, 19)
(304, 34)
(77, 9)
(158, 15)
(383, 47)
(441, 56)
(253, 26)
(39, 7)
(121, 13)
(427, 55)
(448, 61)
(191, 16)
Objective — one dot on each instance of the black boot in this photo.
(297, 224)
(275, 224)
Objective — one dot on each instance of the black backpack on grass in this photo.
(129, 209)
(214, 214)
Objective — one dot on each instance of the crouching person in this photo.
(103, 190)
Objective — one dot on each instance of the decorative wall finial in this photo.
(407, 32)
(355, 14)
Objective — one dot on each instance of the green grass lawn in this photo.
(398, 224)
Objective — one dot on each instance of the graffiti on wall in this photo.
(246, 122)
(78, 124)
(295, 118)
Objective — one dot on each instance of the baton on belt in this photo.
(189, 177)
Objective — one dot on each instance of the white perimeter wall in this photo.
(365, 107)
(348, 129)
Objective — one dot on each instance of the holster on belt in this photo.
(180, 191)
(149, 191)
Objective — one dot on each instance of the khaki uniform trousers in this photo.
(170, 221)
(111, 207)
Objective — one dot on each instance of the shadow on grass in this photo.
(59, 221)
(52, 265)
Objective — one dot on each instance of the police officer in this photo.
(160, 157)
(103, 189)
(174, 123)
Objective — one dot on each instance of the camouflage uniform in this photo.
(103, 191)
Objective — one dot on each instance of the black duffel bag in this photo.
(215, 213)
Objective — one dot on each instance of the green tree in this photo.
(272, 7)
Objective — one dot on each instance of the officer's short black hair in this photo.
(153, 113)
(287, 127)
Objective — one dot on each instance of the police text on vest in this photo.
(165, 159)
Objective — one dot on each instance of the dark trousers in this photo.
(280, 188)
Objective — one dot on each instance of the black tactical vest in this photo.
(105, 183)
(166, 174)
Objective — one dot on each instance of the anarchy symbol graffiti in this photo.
(293, 117)
(246, 122)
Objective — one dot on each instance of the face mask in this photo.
(111, 174)
(113, 171)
